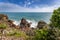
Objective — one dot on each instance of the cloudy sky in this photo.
(29, 5)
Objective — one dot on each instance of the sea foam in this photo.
(33, 23)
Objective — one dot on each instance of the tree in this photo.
(55, 19)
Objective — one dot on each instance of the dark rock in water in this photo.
(41, 24)
(10, 22)
(3, 17)
(24, 23)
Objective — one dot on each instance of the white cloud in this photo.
(8, 7)
(26, 3)
(29, 3)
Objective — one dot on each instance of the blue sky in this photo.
(28, 5)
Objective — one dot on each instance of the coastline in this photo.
(32, 17)
(24, 29)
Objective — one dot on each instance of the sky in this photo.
(29, 5)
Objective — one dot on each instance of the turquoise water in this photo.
(30, 16)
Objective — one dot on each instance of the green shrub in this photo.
(17, 33)
(3, 26)
(41, 34)
(46, 34)
(55, 19)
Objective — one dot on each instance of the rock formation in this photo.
(3, 17)
(41, 24)
(24, 23)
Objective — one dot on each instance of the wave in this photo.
(33, 23)
(16, 22)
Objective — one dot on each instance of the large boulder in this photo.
(24, 23)
(41, 24)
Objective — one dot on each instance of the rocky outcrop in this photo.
(41, 24)
(10, 22)
(24, 23)
(3, 17)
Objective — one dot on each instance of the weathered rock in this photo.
(10, 23)
(24, 23)
(41, 24)
(3, 17)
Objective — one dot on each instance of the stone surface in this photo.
(24, 23)
(41, 24)
(3, 17)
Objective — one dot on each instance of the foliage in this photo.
(47, 34)
(55, 19)
(40, 34)
(51, 32)
(3, 26)
(16, 33)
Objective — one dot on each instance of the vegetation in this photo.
(47, 34)
(16, 33)
(51, 32)
(55, 19)
(42, 32)
(3, 26)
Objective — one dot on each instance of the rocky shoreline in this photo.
(11, 27)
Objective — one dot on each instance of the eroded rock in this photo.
(24, 23)
(41, 24)
(3, 17)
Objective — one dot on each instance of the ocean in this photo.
(33, 17)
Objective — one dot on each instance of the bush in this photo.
(46, 34)
(17, 33)
(3, 26)
(55, 19)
